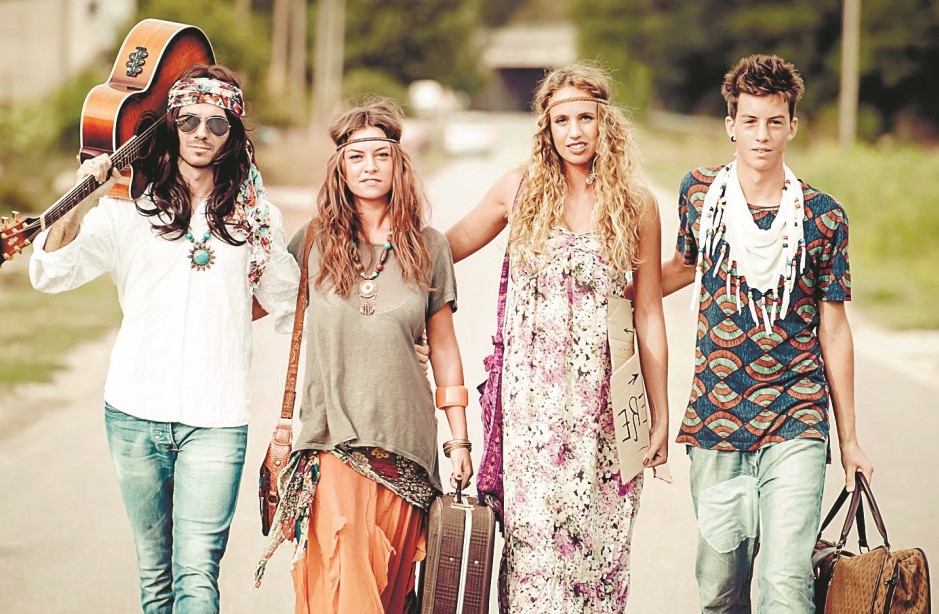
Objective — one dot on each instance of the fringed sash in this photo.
(769, 261)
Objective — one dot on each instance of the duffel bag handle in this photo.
(861, 487)
(875, 511)
(859, 517)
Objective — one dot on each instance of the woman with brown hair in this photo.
(582, 224)
(364, 470)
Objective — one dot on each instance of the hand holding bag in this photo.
(878, 580)
(278, 451)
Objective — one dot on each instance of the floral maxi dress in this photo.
(568, 515)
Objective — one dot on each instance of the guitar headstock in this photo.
(15, 235)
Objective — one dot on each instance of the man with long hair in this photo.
(202, 251)
(768, 257)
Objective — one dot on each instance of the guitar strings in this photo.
(83, 190)
(121, 157)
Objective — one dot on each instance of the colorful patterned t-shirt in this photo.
(752, 388)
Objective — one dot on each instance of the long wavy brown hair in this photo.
(337, 224)
(618, 189)
(168, 189)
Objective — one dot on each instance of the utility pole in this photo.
(280, 41)
(297, 65)
(850, 73)
(328, 59)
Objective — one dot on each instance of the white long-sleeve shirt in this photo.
(183, 351)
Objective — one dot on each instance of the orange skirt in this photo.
(364, 541)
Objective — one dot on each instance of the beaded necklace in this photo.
(368, 288)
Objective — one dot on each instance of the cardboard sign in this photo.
(628, 393)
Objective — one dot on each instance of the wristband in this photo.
(450, 396)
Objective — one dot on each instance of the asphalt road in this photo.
(65, 544)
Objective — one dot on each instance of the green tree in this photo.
(245, 48)
(900, 52)
(675, 53)
(414, 39)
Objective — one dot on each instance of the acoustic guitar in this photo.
(120, 117)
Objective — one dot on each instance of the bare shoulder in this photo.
(507, 186)
(649, 206)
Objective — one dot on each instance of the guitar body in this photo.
(118, 116)
(151, 59)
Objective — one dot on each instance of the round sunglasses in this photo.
(216, 124)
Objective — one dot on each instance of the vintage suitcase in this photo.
(456, 574)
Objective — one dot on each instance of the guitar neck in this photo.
(124, 156)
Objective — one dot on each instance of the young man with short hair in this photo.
(768, 257)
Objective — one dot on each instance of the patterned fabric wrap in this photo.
(752, 387)
(298, 481)
(199, 90)
(489, 477)
(253, 217)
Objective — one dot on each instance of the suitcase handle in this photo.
(459, 500)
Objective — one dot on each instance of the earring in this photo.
(592, 177)
(733, 138)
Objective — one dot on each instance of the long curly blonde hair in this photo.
(337, 225)
(618, 190)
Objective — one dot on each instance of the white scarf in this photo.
(768, 260)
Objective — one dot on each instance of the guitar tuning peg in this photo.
(5, 221)
(16, 217)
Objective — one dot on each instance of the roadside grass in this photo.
(889, 193)
(39, 329)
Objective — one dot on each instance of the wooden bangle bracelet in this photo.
(450, 396)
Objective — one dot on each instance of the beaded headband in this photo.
(197, 90)
(576, 99)
(368, 138)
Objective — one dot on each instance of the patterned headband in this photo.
(575, 99)
(368, 138)
(205, 89)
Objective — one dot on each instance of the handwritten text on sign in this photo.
(627, 391)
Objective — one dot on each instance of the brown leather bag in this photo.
(873, 581)
(278, 451)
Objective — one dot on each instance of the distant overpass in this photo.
(517, 58)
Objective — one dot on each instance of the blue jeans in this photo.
(769, 501)
(179, 484)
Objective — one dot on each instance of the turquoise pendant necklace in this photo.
(201, 255)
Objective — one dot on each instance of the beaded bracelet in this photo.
(450, 396)
(456, 444)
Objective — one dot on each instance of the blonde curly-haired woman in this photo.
(582, 226)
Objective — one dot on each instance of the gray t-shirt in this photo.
(363, 385)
